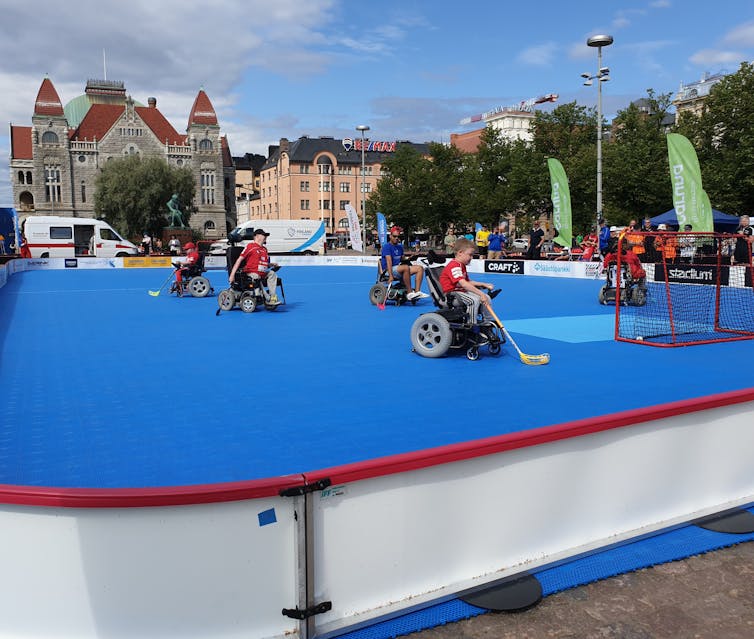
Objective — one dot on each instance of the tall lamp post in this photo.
(602, 75)
(362, 128)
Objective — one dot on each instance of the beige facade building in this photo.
(55, 162)
(691, 97)
(316, 178)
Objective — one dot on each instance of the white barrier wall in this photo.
(210, 570)
(393, 542)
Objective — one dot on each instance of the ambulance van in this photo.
(52, 236)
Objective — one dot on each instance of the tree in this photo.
(132, 193)
(636, 162)
(723, 135)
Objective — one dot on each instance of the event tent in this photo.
(722, 222)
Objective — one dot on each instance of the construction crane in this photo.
(525, 105)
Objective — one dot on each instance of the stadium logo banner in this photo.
(687, 274)
(512, 267)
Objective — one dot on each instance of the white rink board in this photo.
(199, 571)
(394, 542)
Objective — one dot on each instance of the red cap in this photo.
(189, 245)
(396, 229)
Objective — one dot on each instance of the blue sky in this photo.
(410, 69)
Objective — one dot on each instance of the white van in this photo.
(286, 236)
(52, 236)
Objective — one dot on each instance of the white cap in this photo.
(662, 227)
(613, 229)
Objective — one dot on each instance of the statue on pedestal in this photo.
(175, 216)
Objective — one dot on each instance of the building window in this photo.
(208, 186)
(343, 223)
(83, 191)
(326, 205)
(82, 158)
(324, 169)
(52, 183)
(179, 162)
(304, 168)
(324, 187)
(344, 170)
(305, 185)
(205, 144)
(366, 187)
(21, 179)
(305, 205)
(343, 204)
(367, 170)
(49, 137)
(345, 187)
(28, 177)
(209, 225)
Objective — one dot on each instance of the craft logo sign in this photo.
(512, 267)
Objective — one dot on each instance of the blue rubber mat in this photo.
(105, 386)
(662, 548)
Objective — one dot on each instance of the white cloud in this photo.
(539, 55)
(741, 36)
(714, 57)
(660, 4)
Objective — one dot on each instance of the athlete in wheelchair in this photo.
(189, 274)
(457, 323)
(252, 277)
(631, 281)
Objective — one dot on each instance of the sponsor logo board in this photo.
(512, 267)
(691, 274)
(71, 262)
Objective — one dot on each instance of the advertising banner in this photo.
(561, 203)
(511, 267)
(692, 206)
(157, 261)
(354, 228)
(381, 228)
(691, 274)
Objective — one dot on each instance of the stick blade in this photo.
(154, 293)
(535, 360)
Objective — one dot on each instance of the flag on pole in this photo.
(354, 228)
(561, 203)
(689, 199)
(381, 228)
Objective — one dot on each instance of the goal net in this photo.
(698, 289)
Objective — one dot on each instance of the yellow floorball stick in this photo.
(531, 360)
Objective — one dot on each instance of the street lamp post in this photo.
(602, 75)
(362, 128)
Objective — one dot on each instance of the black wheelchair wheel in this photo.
(473, 353)
(377, 294)
(602, 295)
(638, 296)
(494, 348)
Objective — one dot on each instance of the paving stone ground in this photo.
(707, 596)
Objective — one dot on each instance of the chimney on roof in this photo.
(284, 145)
(152, 102)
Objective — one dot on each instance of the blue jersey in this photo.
(395, 251)
(496, 242)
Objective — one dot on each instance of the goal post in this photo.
(698, 289)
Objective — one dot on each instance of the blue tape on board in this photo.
(267, 517)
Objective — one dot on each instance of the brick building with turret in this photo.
(54, 162)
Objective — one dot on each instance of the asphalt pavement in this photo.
(708, 596)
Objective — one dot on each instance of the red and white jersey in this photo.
(257, 259)
(192, 257)
(453, 273)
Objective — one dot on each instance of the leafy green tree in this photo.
(402, 195)
(635, 162)
(132, 193)
(723, 135)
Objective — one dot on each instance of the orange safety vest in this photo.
(635, 243)
(667, 246)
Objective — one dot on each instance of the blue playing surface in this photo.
(104, 385)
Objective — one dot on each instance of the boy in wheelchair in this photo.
(458, 322)
(191, 269)
(632, 279)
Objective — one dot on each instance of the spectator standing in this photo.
(604, 236)
(146, 242)
(650, 254)
(174, 245)
(536, 239)
(666, 245)
(742, 250)
(450, 239)
(686, 245)
(495, 246)
(158, 246)
(482, 241)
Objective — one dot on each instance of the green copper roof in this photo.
(76, 110)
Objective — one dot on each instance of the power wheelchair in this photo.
(382, 292)
(451, 326)
(192, 280)
(246, 292)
